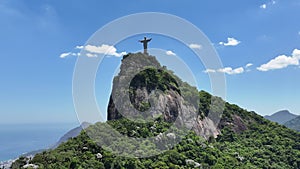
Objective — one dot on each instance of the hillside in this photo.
(281, 117)
(242, 139)
(263, 145)
(293, 124)
(72, 133)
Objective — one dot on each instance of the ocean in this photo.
(18, 139)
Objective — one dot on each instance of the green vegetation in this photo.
(151, 79)
(263, 144)
(19, 163)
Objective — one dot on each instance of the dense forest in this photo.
(264, 144)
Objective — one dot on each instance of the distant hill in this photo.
(294, 124)
(72, 133)
(281, 117)
(26, 157)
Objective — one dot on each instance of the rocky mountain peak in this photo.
(146, 90)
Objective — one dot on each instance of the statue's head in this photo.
(145, 38)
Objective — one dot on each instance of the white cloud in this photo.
(230, 42)
(170, 53)
(79, 47)
(75, 54)
(195, 46)
(249, 65)
(273, 2)
(104, 49)
(263, 6)
(209, 71)
(296, 53)
(90, 55)
(94, 51)
(281, 62)
(231, 71)
(238, 70)
(227, 70)
(64, 55)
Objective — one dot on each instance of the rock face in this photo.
(121, 101)
(206, 128)
(144, 90)
(33, 166)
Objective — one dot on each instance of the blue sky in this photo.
(36, 84)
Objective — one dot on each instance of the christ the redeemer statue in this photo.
(145, 44)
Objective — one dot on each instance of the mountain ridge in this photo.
(71, 133)
(281, 117)
(293, 124)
